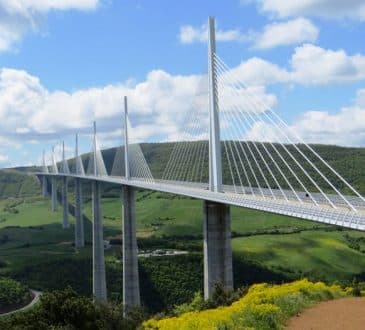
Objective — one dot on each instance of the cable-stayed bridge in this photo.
(233, 150)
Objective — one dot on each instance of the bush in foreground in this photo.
(64, 309)
(263, 307)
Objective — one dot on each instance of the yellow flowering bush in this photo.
(263, 307)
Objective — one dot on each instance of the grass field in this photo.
(33, 232)
(166, 215)
(318, 254)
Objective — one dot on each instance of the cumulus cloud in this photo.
(256, 71)
(232, 98)
(46, 5)
(292, 32)
(315, 65)
(161, 107)
(354, 9)
(189, 34)
(346, 127)
(162, 102)
(3, 158)
(309, 65)
(18, 17)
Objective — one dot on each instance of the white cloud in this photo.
(233, 98)
(256, 71)
(19, 17)
(189, 34)
(3, 158)
(161, 107)
(292, 32)
(309, 65)
(315, 65)
(160, 104)
(354, 9)
(346, 127)
(46, 5)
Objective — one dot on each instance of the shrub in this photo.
(12, 293)
(64, 309)
(263, 307)
(356, 290)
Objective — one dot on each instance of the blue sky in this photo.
(65, 63)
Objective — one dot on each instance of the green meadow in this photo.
(277, 242)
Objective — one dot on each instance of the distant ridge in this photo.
(348, 161)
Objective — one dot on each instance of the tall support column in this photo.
(44, 186)
(44, 177)
(215, 156)
(131, 296)
(126, 146)
(65, 223)
(99, 282)
(79, 224)
(217, 247)
(53, 194)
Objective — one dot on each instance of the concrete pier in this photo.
(79, 223)
(44, 186)
(65, 223)
(131, 296)
(217, 247)
(53, 194)
(99, 282)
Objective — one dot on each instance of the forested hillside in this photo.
(349, 162)
(16, 184)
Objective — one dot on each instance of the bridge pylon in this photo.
(217, 247)
(79, 220)
(54, 184)
(43, 178)
(217, 218)
(65, 222)
(99, 280)
(215, 153)
(131, 294)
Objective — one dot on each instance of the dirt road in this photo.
(339, 314)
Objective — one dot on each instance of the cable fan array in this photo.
(138, 166)
(189, 158)
(263, 157)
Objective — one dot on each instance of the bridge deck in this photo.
(323, 212)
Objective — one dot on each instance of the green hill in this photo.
(15, 184)
(347, 161)
(266, 247)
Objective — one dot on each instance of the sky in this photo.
(66, 63)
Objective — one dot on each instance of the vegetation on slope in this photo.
(12, 294)
(264, 307)
(64, 309)
(15, 184)
(261, 307)
(267, 248)
(347, 161)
